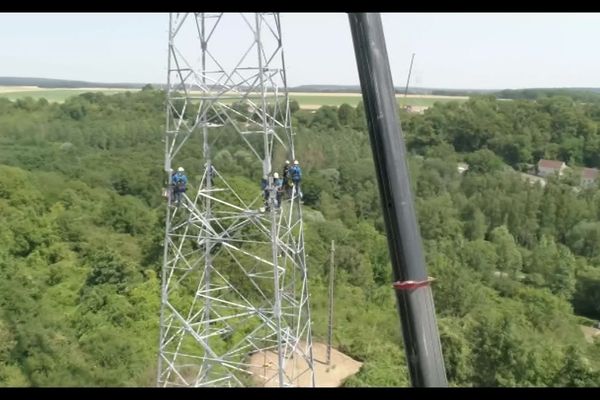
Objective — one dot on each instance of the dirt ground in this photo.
(5, 89)
(341, 368)
(590, 333)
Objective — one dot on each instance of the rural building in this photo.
(589, 176)
(462, 167)
(551, 167)
(416, 109)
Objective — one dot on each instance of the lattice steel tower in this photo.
(235, 308)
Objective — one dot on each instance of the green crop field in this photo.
(53, 95)
(306, 100)
(427, 101)
(325, 99)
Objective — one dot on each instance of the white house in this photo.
(551, 167)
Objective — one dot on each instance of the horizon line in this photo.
(354, 86)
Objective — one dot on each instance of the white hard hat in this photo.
(287, 161)
(180, 169)
(296, 162)
(275, 175)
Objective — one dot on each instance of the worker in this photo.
(179, 182)
(168, 191)
(278, 183)
(285, 175)
(264, 187)
(210, 174)
(296, 176)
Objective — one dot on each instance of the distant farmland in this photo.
(52, 95)
(316, 100)
(306, 100)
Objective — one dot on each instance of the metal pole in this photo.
(271, 202)
(409, 71)
(330, 332)
(301, 254)
(208, 187)
(415, 306)
(163, 284)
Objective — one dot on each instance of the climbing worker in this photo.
(285, 174)
(179, 182)
(296, 176)
(288, 185)
(210, 174)
(167, 192)
(264, 187)
(278, 183)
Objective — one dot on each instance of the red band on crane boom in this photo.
(411, 285)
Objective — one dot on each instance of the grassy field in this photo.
(53, 95)
(310, 101)
(316, 100)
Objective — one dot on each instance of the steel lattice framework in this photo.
(234, 279)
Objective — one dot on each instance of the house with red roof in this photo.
(551, 167)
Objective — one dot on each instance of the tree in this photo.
(480, 255)
(326, 117)
(475, 226)
(509, 257)
(294, 106)
(455, 291)
(583, 239)
(346, 114)
(562, 280)
(358, 269)
(438, 218)
(586, 299)
(108, 268)
(457, 351)
(577, 371)
(483, 161)
(541, 261)
(501, 354)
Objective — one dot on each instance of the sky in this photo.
(452, 50)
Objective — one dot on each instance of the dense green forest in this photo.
(517, 266)
(579, 94)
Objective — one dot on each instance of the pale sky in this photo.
(453, 50)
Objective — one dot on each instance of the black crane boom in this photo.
(415, 301)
